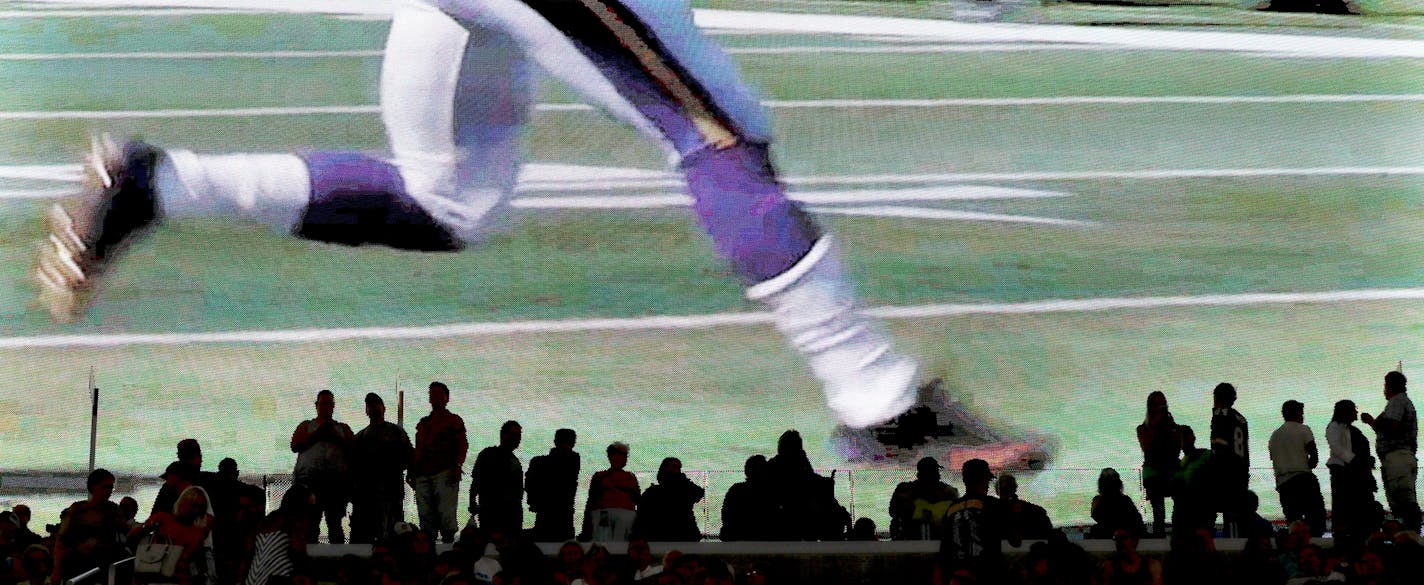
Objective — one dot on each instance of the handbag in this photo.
(157, 556)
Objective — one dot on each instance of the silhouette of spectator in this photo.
(128, 512)
(974, 530)
(436, 465)
(10, 549)
(188, 525)
(748, 509)
(1126, 565)
(243, 506)
(191, 453)
(89, 531)
(1251, 522)
(552, 485)
(1396, 441)
(24, 537)
(917, 508)
(1192, 506)
(383, 453)
(863, 530)
(1112, 509)
(321, 445)
(521, 560)
(794, 483)
(1293, 457)
(280, 544)
(1230, 455)
(497, 483)
(666, 513)
(1352, 481)
(612, 499)
(1029, 519)
(1161, 444)
(475, 545)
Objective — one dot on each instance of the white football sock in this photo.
(865, 381)
(271, 188)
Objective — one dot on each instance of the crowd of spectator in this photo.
(218, 530)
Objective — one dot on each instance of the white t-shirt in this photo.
(1288, 450)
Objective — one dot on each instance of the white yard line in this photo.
(779, 104)
(697, 321)
(933, 48)
(573, 178)
(901, 211)
(771, 22)
(190, 55)
(848, 197)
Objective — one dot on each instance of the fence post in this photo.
(93, 418)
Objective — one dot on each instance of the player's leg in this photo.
(683, 85)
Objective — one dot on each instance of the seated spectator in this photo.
(749, 508)
(1126, 565)
(640, 556)
(612, 499)
(1258, 563)
(1112, 509)
(36, 565)
(519, 559)
(1309, 566)
(1369, 568)
(89, 531)
(189, 525)
(451, 566)
(280, 544)
(1251, 522)
(863, 531)
(353, 570)
(597, 567)
(474, 546)
(917, 507)
(569, 563)
(415, 554)
(1193, 559)
(1069, 564)
(1030, 519)
(665, 510)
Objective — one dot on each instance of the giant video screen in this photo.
(1053, 219)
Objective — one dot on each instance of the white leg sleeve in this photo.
(271, 188)
(866, 382)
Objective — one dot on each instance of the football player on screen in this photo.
(456, 92)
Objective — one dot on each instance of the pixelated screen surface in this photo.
(1056, 220)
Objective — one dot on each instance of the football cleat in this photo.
(116, 206)
(945, 430)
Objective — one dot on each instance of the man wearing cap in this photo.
(917, 507)
(974, 530)
(191, 453)
(383, 453)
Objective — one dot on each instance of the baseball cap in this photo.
(976, 469)
(928, 463)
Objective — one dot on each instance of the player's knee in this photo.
(358, 199)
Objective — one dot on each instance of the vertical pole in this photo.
(400, 405)
(93, 417)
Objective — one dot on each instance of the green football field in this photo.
(1056, 228)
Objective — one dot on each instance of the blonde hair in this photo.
(188, 498)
